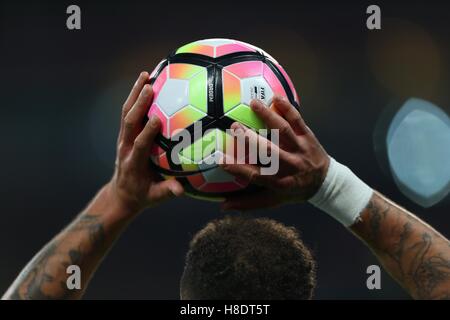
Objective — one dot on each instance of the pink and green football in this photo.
(208, 84)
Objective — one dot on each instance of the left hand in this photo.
(303, 163)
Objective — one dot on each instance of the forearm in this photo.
(83, 243)
(415, 254)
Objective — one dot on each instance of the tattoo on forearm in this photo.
(428, 271)
(377, 215)
(45, 276)
(34, 277)
(399, 247)
(415, 253)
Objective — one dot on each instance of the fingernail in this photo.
(146, 90)
(275, 99)
(237, 125)
(177, 191)
(154, 120)
(141, 75)
(279, 98)
(256, 104)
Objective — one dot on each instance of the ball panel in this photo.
(231, 89)
(184, 70)
(170, 102)
(256, 88)
(212, 180)
(215, 42)
(231, 48)
(188, 164)
(215, 48)
(273, 81)
(159, 82)
(245, 69)
(184, 118)
(242, 113)
(194, 47)
(198, 91)
(163, 162)
(217, 174)
(196, 181)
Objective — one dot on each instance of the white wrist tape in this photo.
(342, 194)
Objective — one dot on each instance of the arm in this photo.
(89, 237)
(415, 254)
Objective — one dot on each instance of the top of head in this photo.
(239, 257)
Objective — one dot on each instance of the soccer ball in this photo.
(204, 87)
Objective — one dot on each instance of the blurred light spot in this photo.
(405, 59)
(418, 150)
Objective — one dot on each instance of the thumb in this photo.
(164, 190)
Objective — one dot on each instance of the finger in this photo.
(144, 141)
(248, 173)
(290, 113)
(272, 119)
(134, 119)
(258, 200)
(251, 138)
(255, 143)
(132, 97)
(165, 190)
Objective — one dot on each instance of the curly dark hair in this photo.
(241, 257)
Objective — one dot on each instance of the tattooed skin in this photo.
(45, 276)
(412, 251)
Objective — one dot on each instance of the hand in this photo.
(134, 185)
(303, 163)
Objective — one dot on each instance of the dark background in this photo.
(62, 91)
